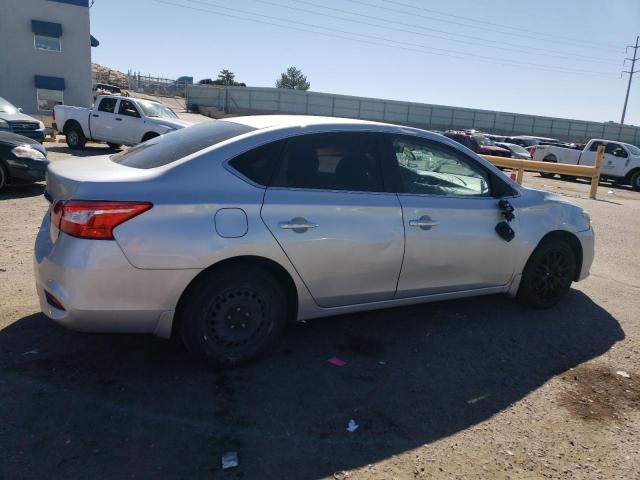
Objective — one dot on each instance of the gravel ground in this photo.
(478, 388)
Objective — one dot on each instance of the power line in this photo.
(473, 39)
(631, 73)
(520, 33)
(375, 39)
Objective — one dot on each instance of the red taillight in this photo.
(94, 219)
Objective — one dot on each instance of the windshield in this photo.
(486, 141)
(6, 107)
(635, 151)
(173, 146)
(155, 109)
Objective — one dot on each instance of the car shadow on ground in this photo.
(106, 406)
(13, 192)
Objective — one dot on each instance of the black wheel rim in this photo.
(236, 317)
(551, 275)
(73, 138)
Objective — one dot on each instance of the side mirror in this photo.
(19, 109)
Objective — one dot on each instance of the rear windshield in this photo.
(168, 148)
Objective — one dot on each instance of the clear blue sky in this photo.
(544, 57)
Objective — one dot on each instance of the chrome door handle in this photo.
(425, 223)
(298, 225)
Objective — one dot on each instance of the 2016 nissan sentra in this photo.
(223, 232)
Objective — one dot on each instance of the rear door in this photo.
(129, 122)
(103, 123)
(450, 217)
(329, 211)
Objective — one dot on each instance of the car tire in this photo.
(231, 316)
(568, 178)
(113, 146)
(4, 177)
(75, 137)
(549, 158)
(547, 275)
(635, 181)
(149, 136)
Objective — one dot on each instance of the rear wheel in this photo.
(568, 178)
(113, 146)
(552, 159)
(548, 274)
(75, 137)
(230, 316)
(635, 181)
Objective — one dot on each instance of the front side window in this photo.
(107, 105)
(128, 108)
(431, 168)
(45, 42)
(616, 150)
(331, 161)
(47, 99)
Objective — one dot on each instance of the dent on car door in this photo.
(450, 217)
(327, 209)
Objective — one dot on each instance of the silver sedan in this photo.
(223, 232)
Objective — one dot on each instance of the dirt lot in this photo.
(466, 389)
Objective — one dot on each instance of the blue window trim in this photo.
(49, 83)
(46, 28)
(77, 3)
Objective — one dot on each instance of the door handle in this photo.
(298, 225)
(425, 223)
(95, 115)
(118, 119)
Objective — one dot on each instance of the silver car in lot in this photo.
(223, 232)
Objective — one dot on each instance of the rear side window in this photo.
(168, 148)
(107, 105)
(259, 164)
(331, 161)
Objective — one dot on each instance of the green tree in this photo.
(226, 77)
(293, 79)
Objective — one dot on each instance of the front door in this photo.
(328, 211)
(449, 220)
(615, 160)
(130, 123)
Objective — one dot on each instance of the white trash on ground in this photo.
(229, 460)
(353, 426)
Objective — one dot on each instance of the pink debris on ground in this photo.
(337, 362)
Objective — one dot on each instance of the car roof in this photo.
(283, 121)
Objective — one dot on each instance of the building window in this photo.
(48, 98)
(45, 42)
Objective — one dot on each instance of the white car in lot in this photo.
(115, 120)
(621, 162)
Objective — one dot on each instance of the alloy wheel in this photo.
(551, 274)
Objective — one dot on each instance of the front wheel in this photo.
(4, 177)
(230, 316)
(551, 159)
(635, 181)
(547, 275)
(149, 136)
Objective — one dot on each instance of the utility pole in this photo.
(631, 72)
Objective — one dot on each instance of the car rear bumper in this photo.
(587, 240)
(89, 285)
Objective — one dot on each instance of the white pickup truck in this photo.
(621, 162)
(115, 120)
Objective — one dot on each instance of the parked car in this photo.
(23, 160)
(516, 150)
(621, 162)
(115, 120)
(13, 120)
(477, 142)
(529, 141)
(223, 232)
